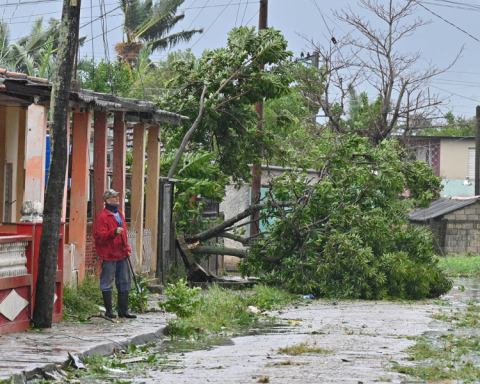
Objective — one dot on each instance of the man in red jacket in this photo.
(111, 243)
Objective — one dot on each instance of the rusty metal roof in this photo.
(28, 89)
(441, 207)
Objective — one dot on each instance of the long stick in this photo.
(139, 290)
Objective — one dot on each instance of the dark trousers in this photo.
(118, 271)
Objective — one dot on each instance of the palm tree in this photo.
(148, 23)
(28, 51)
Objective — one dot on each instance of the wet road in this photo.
(363, 339)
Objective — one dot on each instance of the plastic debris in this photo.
(252, 309)
(113, 369)
(307, 297)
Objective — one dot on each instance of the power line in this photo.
(220, 14)
(448, 22)
(244, 12)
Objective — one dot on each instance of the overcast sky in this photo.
(438, 42)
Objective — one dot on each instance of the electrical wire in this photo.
(448, 22)
(203, 34)
(244, 12)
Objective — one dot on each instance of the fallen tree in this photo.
(343, 234)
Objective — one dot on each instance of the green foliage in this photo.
(455, 126)
(138, 302)
(83, 300)
(181, 299)
(106, 77)
(234, 84)
(461, 265)
(200, 175)
(344, 236)
(222, 310)
(290, 121)
(150, 23)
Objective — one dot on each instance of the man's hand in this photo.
(129, 254)
(119, 230)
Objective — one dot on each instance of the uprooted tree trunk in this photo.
(191, 245)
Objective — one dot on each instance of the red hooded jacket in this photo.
(108, 245)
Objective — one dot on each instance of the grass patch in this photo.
(302, 348)
(263, 379)
(85, 299)
(461, 265)
(445, 357)
(285, 363)
(220, 310)
(470, 317)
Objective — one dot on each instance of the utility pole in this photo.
(477, 154)
(257, 168)
(59, 118)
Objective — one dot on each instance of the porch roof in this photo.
(21, 89)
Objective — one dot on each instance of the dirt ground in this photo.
(362, 338)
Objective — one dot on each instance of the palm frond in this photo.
(172, 40)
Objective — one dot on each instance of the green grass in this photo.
(302, 348)
(470, 317)
(461, 265)
(85, 299)
(221, 310)
(445, 357)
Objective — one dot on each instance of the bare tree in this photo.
(370, 54)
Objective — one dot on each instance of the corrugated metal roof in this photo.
(20, 85)
(441, 207)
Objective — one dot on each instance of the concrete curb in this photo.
(102, 349)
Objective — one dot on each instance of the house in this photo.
(238, 199)
(451, 157)
(24, 105)
(454, 222)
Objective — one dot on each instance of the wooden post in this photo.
(119, 156)
(36, 153)
(99, 161)
(153, 174)
(65, 190)
(52, 218)
(138, 182)
(477, 154)
(22, 139)
(3, 159)
(79, 190)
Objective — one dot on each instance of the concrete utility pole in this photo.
(59, 118)
(257, 168)
(477, 154)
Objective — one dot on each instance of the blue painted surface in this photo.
(455, 188)
(47, 160)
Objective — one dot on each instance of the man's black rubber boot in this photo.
(123, 306)
(107, 301)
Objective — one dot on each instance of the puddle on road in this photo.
(464, 289)
(170, 346)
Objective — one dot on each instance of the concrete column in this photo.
(119, 156)
(13, 120)
(3, 159)
(22, 139)
(153, 173)
(36, 153)
(79, 189)
(138, 182)
(99, 160)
